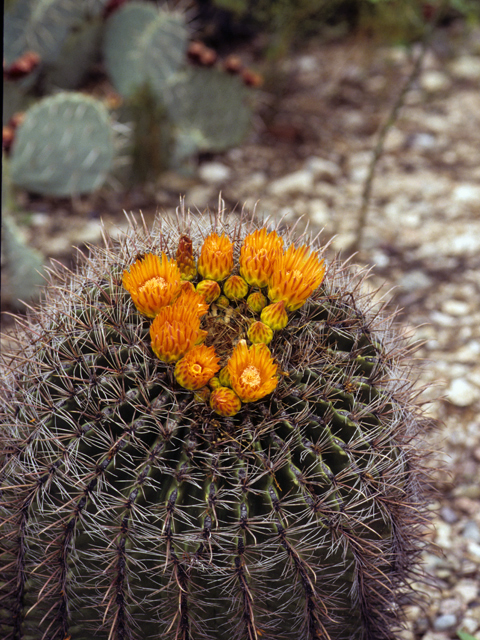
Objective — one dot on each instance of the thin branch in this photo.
(387, 125)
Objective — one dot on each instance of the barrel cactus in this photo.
(208, 432)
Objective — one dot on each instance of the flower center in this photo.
(158, 281)
(196, 369)
(251, 377)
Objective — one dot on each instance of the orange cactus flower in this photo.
(197, 367)
(257, 256)
(260, 332)
(257, 301)
(216, 257)
(176, 328)
(153, 283)
(225, 401)
(209, 289)
(297, 273)
(185, 259)
(252, 371)
(235, 288)
(275, 316)
(190, 300)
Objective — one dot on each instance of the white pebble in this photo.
(461, 393)
(296, 182)
(214, 172)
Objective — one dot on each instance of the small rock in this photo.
(379, 258)
(90, 233)
(343, 241)
(395, 140)
(432, 635)
(443, 536)
(199, 196)
(254, 182)
(455, 307)
(214, 172)
(415, 280)
(448, 515)
(474, 551)
(466, 68)
(471, 531)
(470, 625)
(322, 169)
(307, 64)
(319, 212)
(432, 81)
(423, 141)
(467, 193)
(461, 393)
(444, 622)
(466, 504)
(296, 182)
(39, 219)
(59, 245)
(468, 590)
(470, 352)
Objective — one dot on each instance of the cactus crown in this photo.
(149, 490)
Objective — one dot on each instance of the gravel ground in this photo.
(422, 238)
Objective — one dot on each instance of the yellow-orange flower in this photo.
(209, 289)
(296, 274)
(176, 328)
(257, 256)
(225, 402)
(257, 301)
(252, 371)
(235, 288)
(197, 367)
(260, 332)
(153, 283)
(275, 316)
(190, 300)
(216, 257)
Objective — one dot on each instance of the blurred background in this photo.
(360, 118)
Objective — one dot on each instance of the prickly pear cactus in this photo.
(144, 46)
(210, 111)
(207, 432)
(44, 25)
(64, 146)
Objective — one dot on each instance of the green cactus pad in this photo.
(80, 49)
(144, 46)
(41, 26)
(131, 510)
(64, 146)
(209, 110)
(23, 266)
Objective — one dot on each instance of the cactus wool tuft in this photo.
(209, 431)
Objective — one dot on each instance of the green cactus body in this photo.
(131, 510)
(64, 146)
(144, 46)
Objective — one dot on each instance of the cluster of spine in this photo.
(130, 509)
(163, 289)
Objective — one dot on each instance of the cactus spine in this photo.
(131, 509)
